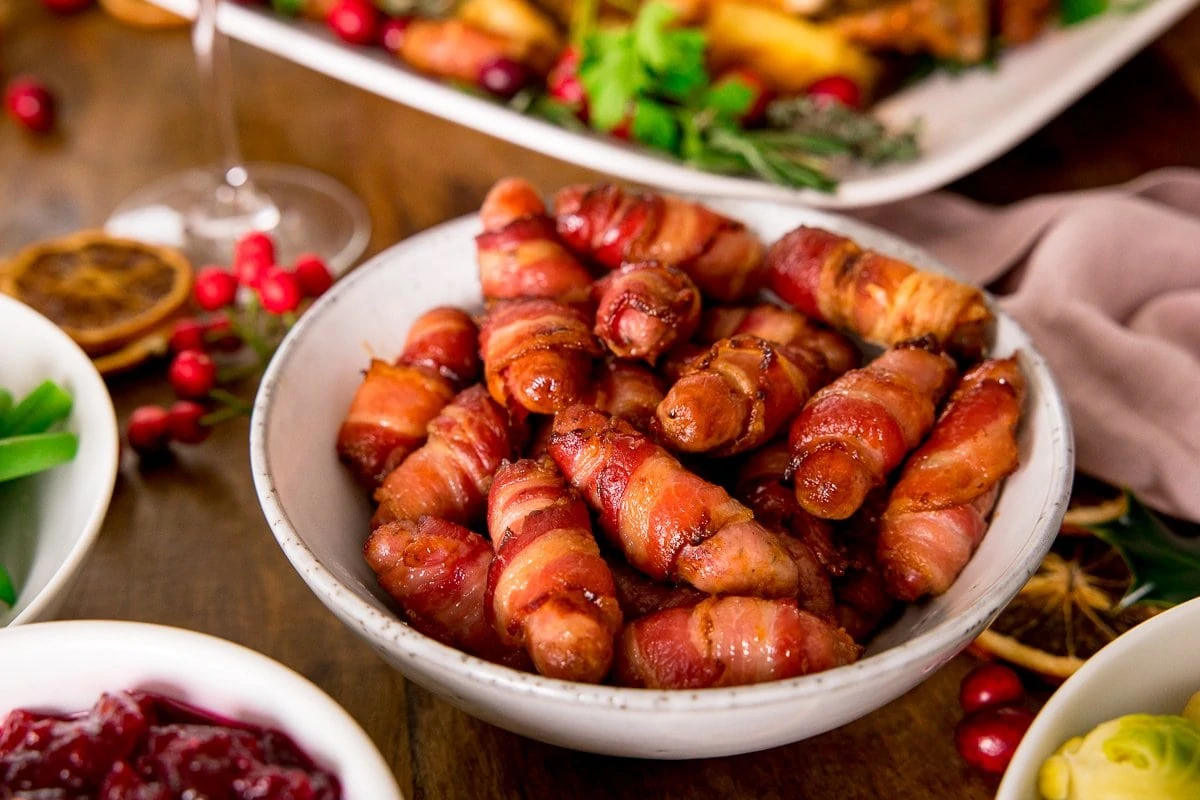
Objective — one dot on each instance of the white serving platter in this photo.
(967, 120)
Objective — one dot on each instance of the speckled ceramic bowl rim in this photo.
(380, 627)
(86, 370)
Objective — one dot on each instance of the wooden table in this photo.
(185, 543)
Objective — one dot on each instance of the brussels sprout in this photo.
(1130, 758)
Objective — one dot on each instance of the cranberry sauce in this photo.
(144, 746)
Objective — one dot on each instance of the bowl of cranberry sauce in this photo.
(115, 710)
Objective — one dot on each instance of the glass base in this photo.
(306, 212)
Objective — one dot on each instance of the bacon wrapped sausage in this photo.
(881, 299)
(436, 572)
(394, 404)
(626, 390)
(859, 428)
(548, 588)
(937, 512)
(781, 326)
(738, 396)
(863, 602)
(729, 641)
(638, 595)
(643, 310)
(669, 523)
(450, 475)
(615, 227)
(537, 354)
(519, 252)
(763, 486)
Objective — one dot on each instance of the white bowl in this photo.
(320, 518)
(65, 666)
(1152, 669)
(49, 521)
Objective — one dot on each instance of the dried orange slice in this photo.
(1067, 611)
(104, 292)
(141, 14)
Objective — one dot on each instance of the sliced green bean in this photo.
(33, 453)
(41, 408)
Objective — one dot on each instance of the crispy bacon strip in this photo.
(738, 396)
(880, 299)
(548, 588)
(537, 354)
(450, 475)
(638, 595)
(781, 326)
(669, 523)
(615, 227)
(859, 428)
(863, 602)
(393, 405)
(763, 486)
(729, 641)
(937, 512)
(643, 310)
(436, 572)
(519, 252)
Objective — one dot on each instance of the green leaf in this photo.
(612, 82)
(291, 8)
(1072, 12)
(650, 35)
(731, 98)
(1165, 568)
(655, 125)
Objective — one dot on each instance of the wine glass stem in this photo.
(235, 193)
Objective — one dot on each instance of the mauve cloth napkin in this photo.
(1107, 282)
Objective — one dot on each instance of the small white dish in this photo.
(65, 666)
(320, 518)
(1152, 669)
(49, 521)
(966, 120)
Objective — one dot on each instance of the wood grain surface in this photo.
(185, 542)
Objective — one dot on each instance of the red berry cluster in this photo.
(994, 723)
(232, 296)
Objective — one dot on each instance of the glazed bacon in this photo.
(450, 475)
(859, 428)
(763, 486)
(395, 403)
(436, 572)
(615, 227)
(643, 310)
(881, 299)
(519, 252)
(548, 588)
(537, 354)
(781, 326)
(937, 512)
(738, 396)
(729, 641)
(669, 523)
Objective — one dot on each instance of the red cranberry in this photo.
(192, 374)
(837, 88)
(761, 94)
(563, 83)
(214, 288)
(31, 104)
(148, 430)
(187, 334)
(218, 330)
(312, 275)
(184, 421)
(255, 244)
(354, 21)
(987, 739)
(503, 77)
(624, 129)
(66, 6)
(989, 685)
(392, 33)
(279, 292)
